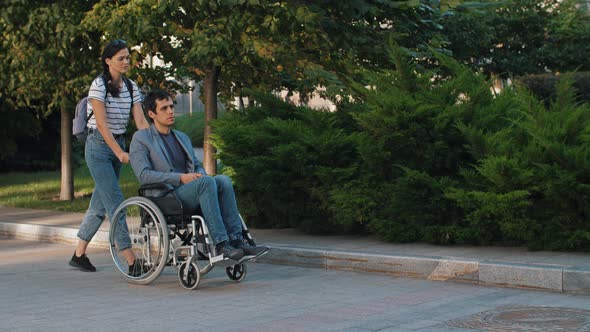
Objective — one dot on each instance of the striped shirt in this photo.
(117, 107)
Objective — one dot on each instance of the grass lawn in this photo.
(41, 190)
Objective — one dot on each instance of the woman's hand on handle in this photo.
(123, 157)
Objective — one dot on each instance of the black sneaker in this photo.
(137, 268)
(250, 251)
(225, 249)
(82, 263)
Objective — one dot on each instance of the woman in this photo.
(110, 103)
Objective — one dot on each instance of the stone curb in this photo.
(560, 278)
(46, 233)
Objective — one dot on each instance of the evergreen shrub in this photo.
(544, 86)
(419, 155)
(193, 125)
(448, 162)
(412, 150)
(542, 160)
(285, 161)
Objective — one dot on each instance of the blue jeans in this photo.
(105, 169)
(216, 197)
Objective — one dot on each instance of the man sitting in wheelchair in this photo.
(160, 154)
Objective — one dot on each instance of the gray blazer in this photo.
(150, 160)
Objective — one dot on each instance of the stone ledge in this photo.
(486, 272)
(51, 234)
(532, 276)
(576, 280)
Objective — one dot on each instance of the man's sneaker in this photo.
(82, 263)
(250, 251)
(137, 268)
(225, 249)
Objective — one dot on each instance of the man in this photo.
(160, 154)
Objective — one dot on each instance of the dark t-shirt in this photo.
(176, 153)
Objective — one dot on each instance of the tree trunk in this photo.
(66, 192)
(210, 86)
(241, 103)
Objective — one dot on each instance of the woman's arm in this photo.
(101, 123)
(139, 117)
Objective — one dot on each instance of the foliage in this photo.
(410, 148)
(47, 61)
(544, 86)
(285, 161)
(233, 46)
(264, 45)
(35, 142)
(492, 217)
(192, 125)
(519, 175)
(52, 58)
(419, 156)
(518, 37)
(545, 153)
(23, 125)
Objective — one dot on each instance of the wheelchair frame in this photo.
(185, 245)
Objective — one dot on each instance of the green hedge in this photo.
(284, 161)
(422, 156)
(544, 86)
(192, 125)
(542, 159)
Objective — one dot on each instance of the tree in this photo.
(232, 45)
(51, 61)
(518, 37)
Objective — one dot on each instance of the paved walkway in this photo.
(511, 267)
(40, 292)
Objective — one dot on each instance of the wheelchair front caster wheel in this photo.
(188, 275)
(236, 272)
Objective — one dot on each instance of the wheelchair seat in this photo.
(163, 196)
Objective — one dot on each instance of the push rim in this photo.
(148, 232)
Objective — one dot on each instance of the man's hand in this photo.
(186, 178)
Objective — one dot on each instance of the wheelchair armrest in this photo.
(164, 188)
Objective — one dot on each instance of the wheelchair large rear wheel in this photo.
(140, 222)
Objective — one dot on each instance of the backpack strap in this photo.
(106, 93)
(130, 89)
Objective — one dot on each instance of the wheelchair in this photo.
(163, 234)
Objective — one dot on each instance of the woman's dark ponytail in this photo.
(109, 51)
(111, 88)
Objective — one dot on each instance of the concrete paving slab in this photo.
(43, 293)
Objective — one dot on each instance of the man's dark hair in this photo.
(149, 102)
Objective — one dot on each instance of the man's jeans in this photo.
(105, 168)
(216, 197)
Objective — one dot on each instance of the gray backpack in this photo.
(79, 128)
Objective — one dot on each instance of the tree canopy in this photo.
(49, 51)
(264, 45)
(518, 37)
(47, 62)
